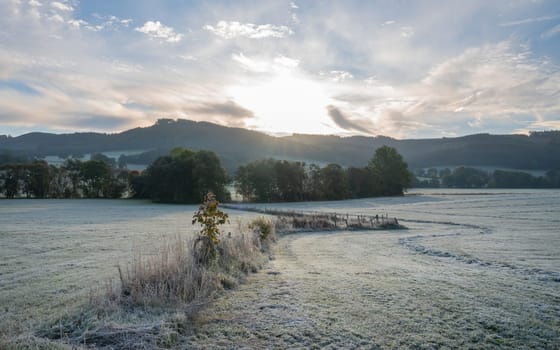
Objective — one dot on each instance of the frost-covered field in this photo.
(473, 271)
(477, 269)
(53, 252)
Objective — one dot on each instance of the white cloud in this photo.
(77, 23)
(295, 18)
(407, 32)
(430, 84)
(188, 57)
(340, 75)
(293, 5)
(264, 65)
(493, 86)
(126, 67)
(113, 19)
(57, 18)
(251, 64)
(34, 9)
(107, 22)
(493, 82)
(60, 6)
(230, 30)
(156, 30)
(551, 32)
(286, 61)
(529, 20)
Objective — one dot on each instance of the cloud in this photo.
(99, 122)
(104, 22)
(496, 87)
(156, 30)
(529, 20)
(407, 32)
(433, 73)
(343, 121)
(62, 7)
(264, 65)
(57, 18)
(340, 75)
(187, 57)
(77, 23)
(551, 32)
(230, 30)
(286, 61)
(397, 124)
(250, 64)
(493, 80)
(126, 67)
(228, 108)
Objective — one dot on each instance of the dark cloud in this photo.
(229, 108)
(343, 122)
(98, 122)
(353, 98)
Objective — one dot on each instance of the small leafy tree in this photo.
(209, 216)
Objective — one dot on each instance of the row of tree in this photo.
(185, 176)
(272, 180)
(74, 179)
(466, 177)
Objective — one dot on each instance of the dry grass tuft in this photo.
(176, 277)
(171, 277)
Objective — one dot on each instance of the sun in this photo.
(286, 102)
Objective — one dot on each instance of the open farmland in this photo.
(475, 269)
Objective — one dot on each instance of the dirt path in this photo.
(364, 290)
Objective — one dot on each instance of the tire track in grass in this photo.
(414, 243)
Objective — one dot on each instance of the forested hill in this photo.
(237, 146)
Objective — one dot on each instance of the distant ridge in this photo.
(539, 150)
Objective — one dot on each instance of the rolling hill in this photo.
(235, 146)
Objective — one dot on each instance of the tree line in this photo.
(186, 176)
(271, 180)
(466, 177)
(94, 178)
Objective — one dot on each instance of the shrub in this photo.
(264, 228)
(210, 217)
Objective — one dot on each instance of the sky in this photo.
(404, 69)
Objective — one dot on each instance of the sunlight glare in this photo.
(286, 103)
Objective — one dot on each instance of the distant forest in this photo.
(236, 146)
(465, 177)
